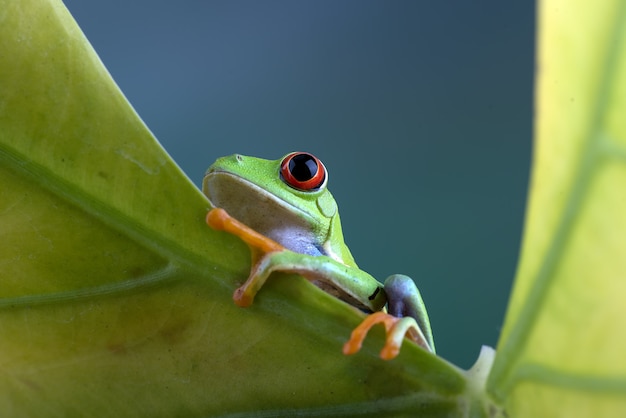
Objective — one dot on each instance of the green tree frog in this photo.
(283, 210)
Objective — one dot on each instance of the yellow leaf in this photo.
(563, 347)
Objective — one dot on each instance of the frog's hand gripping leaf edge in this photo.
(230, 183)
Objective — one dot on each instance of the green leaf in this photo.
(115, 297)
(562, 349)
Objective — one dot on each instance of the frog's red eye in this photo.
(303, 171)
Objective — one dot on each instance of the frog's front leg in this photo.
(348, 283)
(336, 278)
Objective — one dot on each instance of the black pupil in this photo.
(303, 167)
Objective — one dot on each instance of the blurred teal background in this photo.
(420, 110)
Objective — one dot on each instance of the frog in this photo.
(282, 209)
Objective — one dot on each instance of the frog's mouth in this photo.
(262, 211)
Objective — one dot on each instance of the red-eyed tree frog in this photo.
(283, 210)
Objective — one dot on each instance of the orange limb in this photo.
(220, 220)
(395, 328)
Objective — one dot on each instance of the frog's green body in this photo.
(299, 213)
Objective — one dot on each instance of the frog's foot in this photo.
(396, 329)
(260, 246)
(244, 294)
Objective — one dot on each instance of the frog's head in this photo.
(285, 199)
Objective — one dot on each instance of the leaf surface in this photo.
(115, 297)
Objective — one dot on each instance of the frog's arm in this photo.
(349, 280)
(350, 283)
